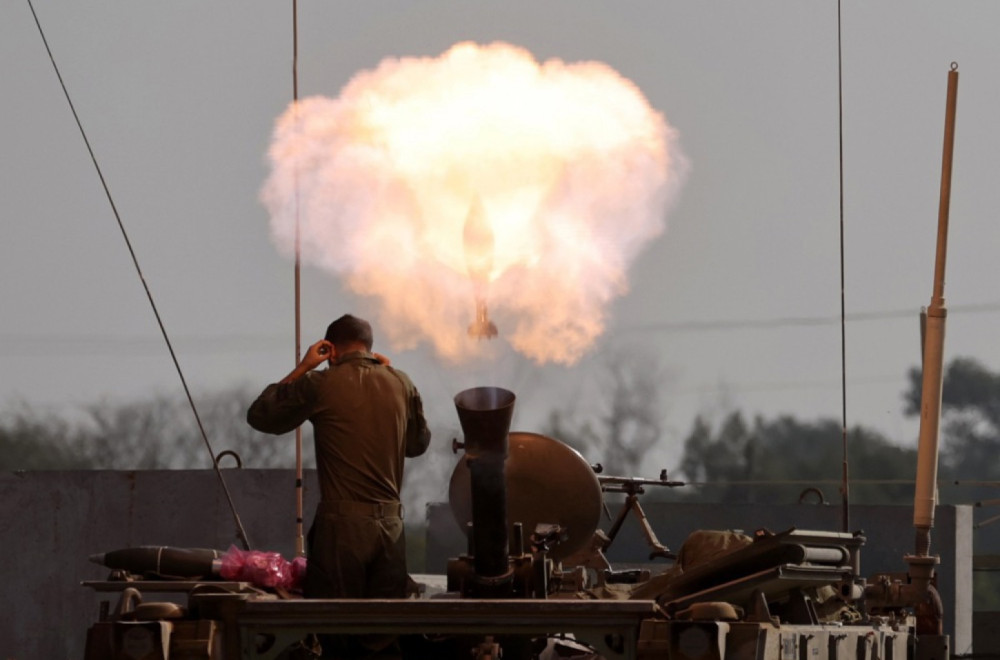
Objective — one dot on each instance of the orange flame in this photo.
(568, 169)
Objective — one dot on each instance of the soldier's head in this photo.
(349, 333)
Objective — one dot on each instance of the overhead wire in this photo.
(95, 344)
(241, 532)
(800, 321)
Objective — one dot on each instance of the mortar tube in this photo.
(485, 415)
(489, 515)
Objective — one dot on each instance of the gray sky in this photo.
(178, 100)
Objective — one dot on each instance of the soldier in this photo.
(366, 417)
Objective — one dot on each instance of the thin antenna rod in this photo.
(128, 243)
(845, 482)
(299, 538)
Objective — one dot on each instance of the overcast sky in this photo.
(179, 99)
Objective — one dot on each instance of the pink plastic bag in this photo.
(268, 570)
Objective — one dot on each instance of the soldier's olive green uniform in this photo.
(367, 417)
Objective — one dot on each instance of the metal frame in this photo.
(611, 627)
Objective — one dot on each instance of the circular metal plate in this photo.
(547, 482)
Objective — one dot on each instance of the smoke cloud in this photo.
(563, 170)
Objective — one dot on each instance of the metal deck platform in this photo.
(611, 627)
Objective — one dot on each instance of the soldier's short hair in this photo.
(349, 329)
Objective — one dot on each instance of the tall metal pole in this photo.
(845, 482)
(299, 537)
(925, 493)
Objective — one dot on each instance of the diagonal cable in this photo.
(173, 356)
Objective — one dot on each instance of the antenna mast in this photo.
(844, 483)
(299, 538)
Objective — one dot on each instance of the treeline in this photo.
(736, 458)
(741, 458)
(158, 433)
(783, 459)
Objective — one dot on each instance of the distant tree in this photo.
(969, 447)
(224, 417)
(161, 433)
(139, 435)
(629, 421)
(633, 420)
(31, 441)
(156, 433)
(726, 457)
(784, 449)
(580, 437)
(970, 418)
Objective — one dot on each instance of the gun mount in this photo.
(634, 487)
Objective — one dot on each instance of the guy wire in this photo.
(121, 226)
(845, 484)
